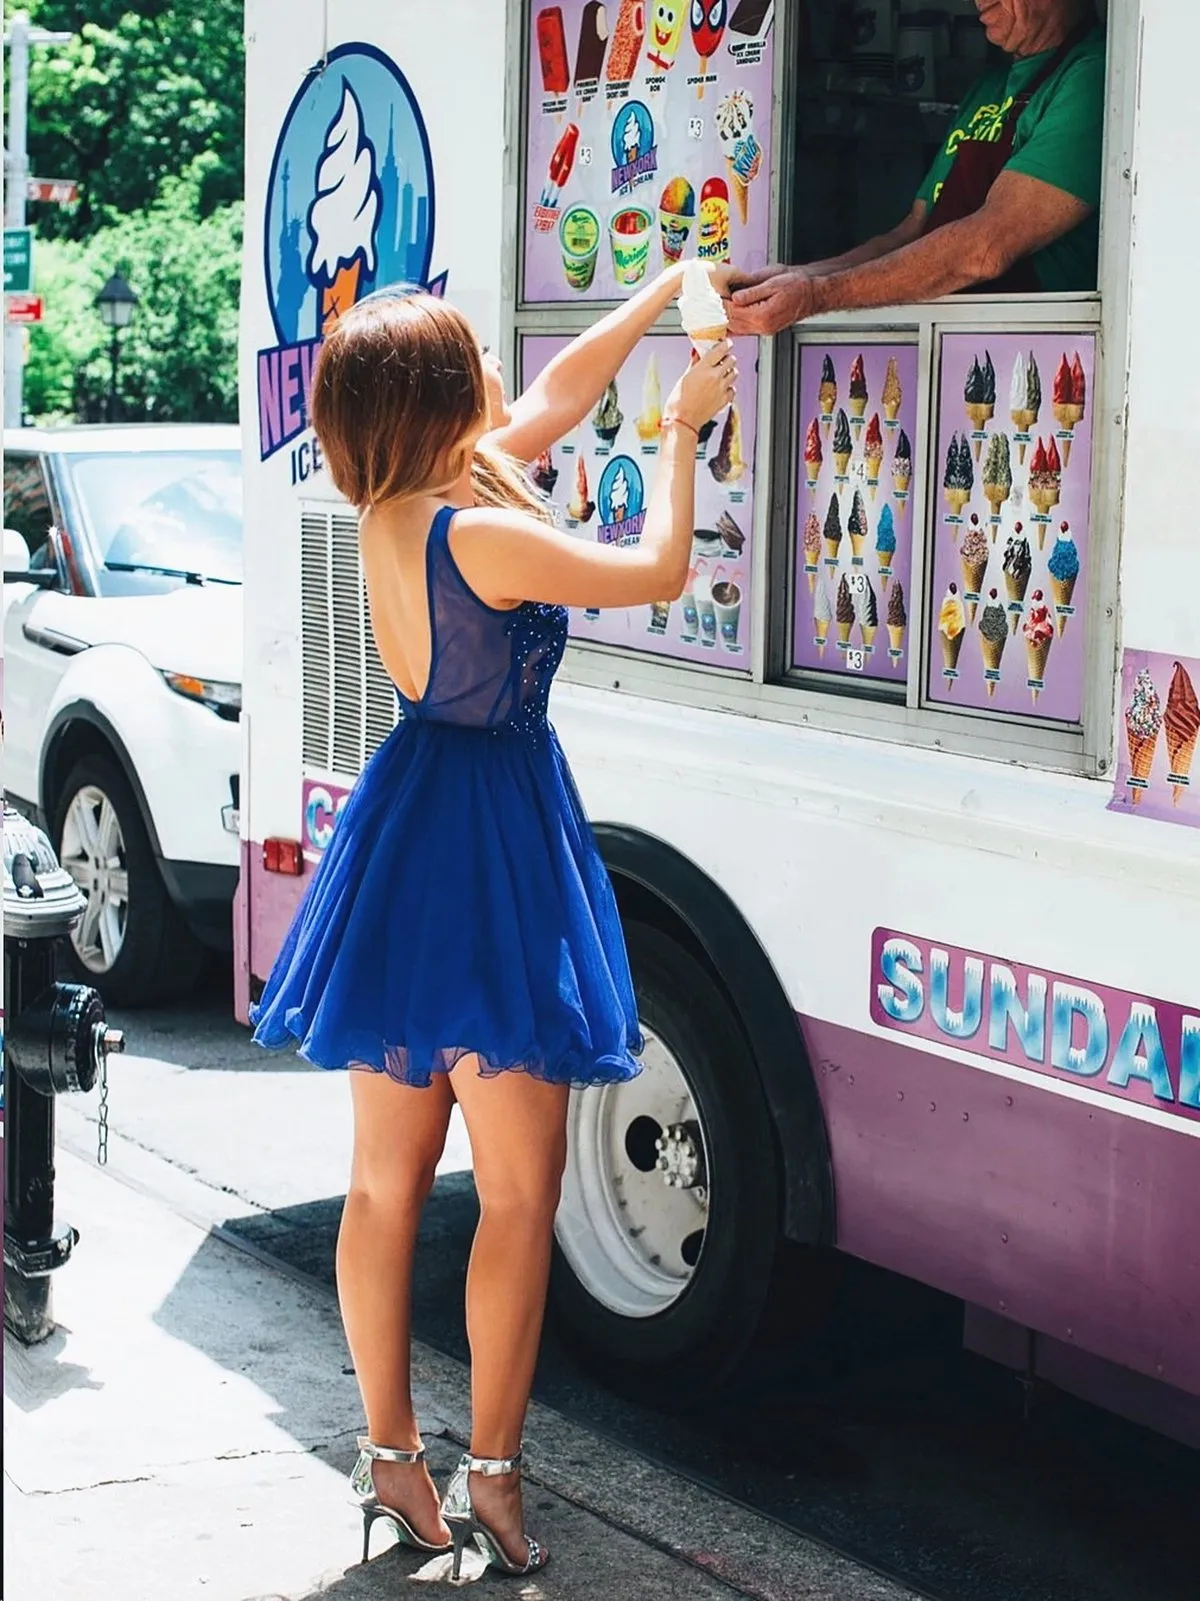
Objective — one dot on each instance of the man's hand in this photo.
(770, 306)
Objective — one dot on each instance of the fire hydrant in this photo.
(57, 1040)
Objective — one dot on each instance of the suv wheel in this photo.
(131, 942)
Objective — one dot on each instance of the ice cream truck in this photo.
(899, 798)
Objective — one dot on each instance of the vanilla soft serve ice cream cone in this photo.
(701, 310)
(344, 216)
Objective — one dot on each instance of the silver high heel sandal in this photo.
(363, 1485)
(459, 1513)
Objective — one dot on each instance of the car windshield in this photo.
(169, 513)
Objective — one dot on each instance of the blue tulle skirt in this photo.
(461, 909)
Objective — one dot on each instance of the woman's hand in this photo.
(705, 389)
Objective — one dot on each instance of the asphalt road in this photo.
(856, 1418)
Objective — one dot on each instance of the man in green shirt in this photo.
(1011, 202)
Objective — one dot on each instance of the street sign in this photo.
(53, 191)
(18, 260)
(23, 308)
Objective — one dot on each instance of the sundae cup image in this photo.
(973, 559)
(742, 151)
(858, 391)
(660, 616)
(993, 636)
(856, 527)
(667, 18)
(593, 41)
(979, 395)
(1182, 725)
(959, 481)
(1018, 566)
(690, 625)
(812, 550)
(580, 507)
(902, 466)
(608, 417)
(544, 473)
(649, 419)
(873, 453)
(1045, 482)
(1025, 398)
(676, 214)
(844, 611)
(732, 537)
(822, 616)
(626, 42)
(728, 465)
(712, 233)
(706, 544)
(708, 29)
(1143, 719)
(832, 532)
(727, 603)
(885, 546)
(579, 240)
(997, 475)
(552, 51)
(843, 445)
(893, 395)
(827, 393)
(630, 231)
(897, 622)
(813, 455)
(1070, 399)
(1039, 636)
(1064, 574)
(344, 217)
(866, 611)
(701, 309)
(952, 628)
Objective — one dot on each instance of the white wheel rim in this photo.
(632, 1237)
(93, 852)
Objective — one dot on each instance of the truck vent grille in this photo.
(349, 703)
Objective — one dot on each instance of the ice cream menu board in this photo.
(648, 139)
(1160, 722)
(599, 481)
(854, 514)
(1011, 557)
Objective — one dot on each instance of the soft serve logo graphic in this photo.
(634, 154)
(350, 208)
(621, 498)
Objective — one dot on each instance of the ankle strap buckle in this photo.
(493, 1466)
(387, 1453)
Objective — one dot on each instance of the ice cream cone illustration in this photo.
(873, 453)
(844, 611)
(728, 465)
(1045, 482)
(973, 559)
(1143, 720)
(866, 611)
(822, 616)
(832, 532)
(993, 636)
(858, 392)
(1025, 398)
(580, 507)
(649, 420)
(813, 454)
(1018, 566)
(1064, 574)
(1039, 636)
(959, 480)
(897, 623)
(856, 527)
(892, 396)
(902, 467)
(1182, 725)
(997, 475)
(979, 395)
(885, 546)
(843, 445)
(1070, 399)
(344, 216)
(952, 630)
(827, 393)
(742, 151)
(812, 550)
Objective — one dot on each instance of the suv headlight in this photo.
(224, 699)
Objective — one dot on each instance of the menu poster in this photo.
(648, 139)
(1160, 722)
(854, 512)
(599, 480)
(1011, 546)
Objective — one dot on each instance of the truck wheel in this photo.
(667, 1231)
(131, 943)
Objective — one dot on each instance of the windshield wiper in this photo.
(166, 572)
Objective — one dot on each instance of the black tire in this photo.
(699, 1338)
(159, 958)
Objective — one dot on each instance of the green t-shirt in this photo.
(1058, 139)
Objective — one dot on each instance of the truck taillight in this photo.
(283, 856)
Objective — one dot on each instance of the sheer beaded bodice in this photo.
(488, 669)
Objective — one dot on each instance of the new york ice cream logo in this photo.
(621, 497)
(349, 209)
(634, 153)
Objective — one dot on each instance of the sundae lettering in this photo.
(1126, 1045)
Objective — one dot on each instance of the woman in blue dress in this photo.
(460, 938)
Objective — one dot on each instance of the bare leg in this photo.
(399, 1133)
(517, 1126)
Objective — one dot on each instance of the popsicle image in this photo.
(892, 395)
(1182, 723)
(812, 549)
(979, 395)
(667, 18)
(822, 615)
(843, 447)
(742, 151)
(873, 453)
(649, 419)
(897, 622)
(728, 465)
(1039, 636)
(952, 628)
(552, 51)
(813, 455)
(593, 41)
(701, 309)
(1064, 573)
(858, 391)
(828, 392)
(708, 29)
(344, 216)
(561, 164)
(626, 44)
(580, 507)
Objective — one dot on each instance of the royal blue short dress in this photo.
(461, 907)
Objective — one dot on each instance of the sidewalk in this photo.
(187, 1432)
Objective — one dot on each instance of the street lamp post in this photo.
(116, 302)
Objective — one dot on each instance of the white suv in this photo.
(122, 684)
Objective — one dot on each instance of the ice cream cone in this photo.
(1041, 534)
(1016, 587)
(339, 295)
(857, 541)
(973, 573)
(1063, 589)
(900, 482)
(1141, 758)
(1022, 421)
(868, 635)
(841, 461)
(956, 499)
(844, 633)
(1066, 451)
(995, 495)
(858, 405)
(896, 635)
(951, 649)
(1181, 756)
(705, 338)
(891, 410)
(822, 627)
(812, 583)
(1035, 655)
(831, 549)
(741, 193)
(992, 650)
(812, 471)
